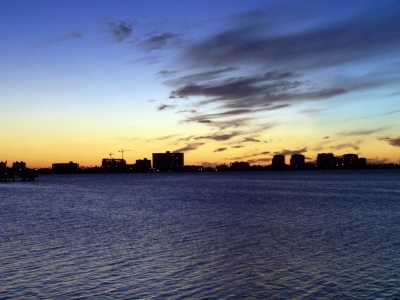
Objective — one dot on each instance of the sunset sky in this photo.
(221, 81)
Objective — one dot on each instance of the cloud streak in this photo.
(160, 41)
(360, 37)
(163, 107)
(69, 36)
(189, 147)
(120, 30)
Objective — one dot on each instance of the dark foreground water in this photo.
(268, 235)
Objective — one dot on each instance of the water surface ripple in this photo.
(267, 235)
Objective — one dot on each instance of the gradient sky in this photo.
(221, 81)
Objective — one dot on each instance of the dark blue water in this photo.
(267, 235)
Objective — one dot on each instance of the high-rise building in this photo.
(168, 162)
(350, 160)
(278, 160)
(325, 160)
(297, 161)
(3, 165)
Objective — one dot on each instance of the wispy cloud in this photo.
(259, 160)
(167, 73)
(159, 41)
(353, 146)
(162, 107)
(218, 137)
(162, 138)
(198, 77)
(69, 36)
(287, 152)
(120, 30)
(359, 132)
(220, 149)
(189, 147)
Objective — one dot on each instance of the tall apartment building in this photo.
(278, 160)
(297, 161)
(168, 162)
(325, 160)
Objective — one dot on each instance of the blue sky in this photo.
(219, 80)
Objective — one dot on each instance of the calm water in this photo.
(268, 235)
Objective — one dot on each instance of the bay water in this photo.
(255, 235)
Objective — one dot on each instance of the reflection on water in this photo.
(280, 235)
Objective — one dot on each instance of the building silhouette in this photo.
(65, 168)
(278, 160)
(297, 161)
(325, 160)
(3, 165)
(114, 165)
(168, 162)
(18, 166)
(143, 165)
(240, 166)
(222, 168)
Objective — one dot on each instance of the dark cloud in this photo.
(189, 147)
(120, 30)
(259, 160)
(251, 155)
(205, 121)
(260, 92)
(326, 137)
(218, 137)
(291, 152)
(250, 140)
(264, 153)
(156, 42)
(237, 147)
(220, 149)
(393, 142)
(162, 107)
(192, 111)
(361, 36)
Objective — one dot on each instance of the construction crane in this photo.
(110, 154)
(122, 151)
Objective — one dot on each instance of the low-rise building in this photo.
(113, 165)
(143, 165)
(19, 166)
(65, 168)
